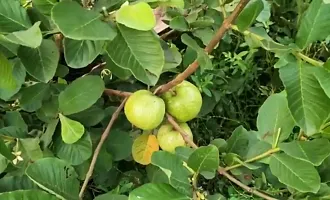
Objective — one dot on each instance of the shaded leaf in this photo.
(111, 196)
(119, 144)
(31, 148)
(144, 56)
(84, 116)
(32, 96)
(27, 195)
(55, 176)
(41, 62)
(80, 94)
(44, 6)
(7, 81)
(12, 183)
(250, 13)
(83, 24)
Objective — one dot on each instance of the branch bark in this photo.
(222, 171)
(104, 136)
(117, 93)
(215, 40)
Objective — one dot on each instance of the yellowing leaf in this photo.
(71, 130)
(138, 16)
(143, 148)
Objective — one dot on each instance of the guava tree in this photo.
(91, 88)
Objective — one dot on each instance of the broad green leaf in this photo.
(5, 151)
(44, 6)
(173, 167)
(12, 183)
(14, 118)
(3, 163)
(324, 170)
(49, 109)
(173, 57)
(156, 175)
(55, 176)
(32, 96)
(27, 195)
(29, 38)
(110, 5)
(7, 81)
(314, 24)
(220, 143)
(84, 116)
(202, 22)
(111, 196)
(202, 57)
(47, 137)
(240, 141)
(205, 160)
(161, 191)
(323, 76)
(80, 53)
(257, 149)
(83, 24)
(179, 23)
(279, 122)
(13, 17)
(119, 144)
(250, 13)
(74, 154)
(81, 94)
(13, 132)
(205, 34)
(104, 161)
(307, 101)
(41, 62)
(265, 14)
(144, 56)
(31, 148)
(138, 16)
(295, 173)
(216, 197)
(71, 130)
(184, 152)
(19, 74)
(121, 73)
(314, 151)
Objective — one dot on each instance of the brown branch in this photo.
(215, 40)
(221, 171)
(104, 136)
(112, 92)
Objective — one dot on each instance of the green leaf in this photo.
(44, 6)
(250, 13)
(27, 195)
(315, 151)
(32, 96)
(6, 72)
(80, 53)
(323, 76)
(161, 191)
(19, 74)
(314, 24)
(121, 73)
(179, 23)
(13, 131)
(202, 57)
(279, 122)
(56, 177)
(119, 144)
(13, 17)
(29, 38)
(220, 143)
(104, 161)
(71, 130)
(49, 109)
(84, 117)
(41, 62)
(156, 175)
(295, 173)
(83, 24)
(14, 118)
(177, 173)
(205, 160)
(111, 196)
(31, 148)
(12, 183)
(81, 94)
(202, 22)
(47, 137)
(3, 163)
(307, 101)
(144, 56)
(138, 16)
(216, 197)
(257, 149)
(5, 151)
(265, 14)
(74, 154)
(184, 152)
(240, 141)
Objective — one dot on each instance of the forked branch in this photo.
(215, 40)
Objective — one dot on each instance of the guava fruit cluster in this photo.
(146, 111)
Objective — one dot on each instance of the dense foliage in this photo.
(262, 131)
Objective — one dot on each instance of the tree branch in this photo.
(215, 40)
(117, 93)
(104, 136)
(221, 171)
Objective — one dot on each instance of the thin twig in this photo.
(221, 171)
(104, 136)
(111, 92)
(215, 40)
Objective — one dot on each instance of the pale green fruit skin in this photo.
(168, 138)
(144, 110)
(184, 101)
